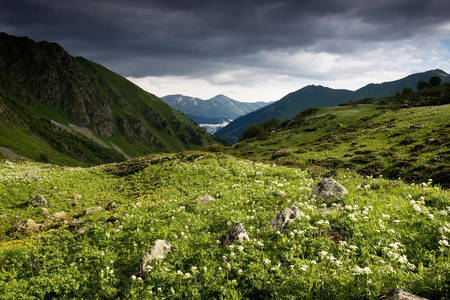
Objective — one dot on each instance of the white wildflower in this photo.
(443, 243)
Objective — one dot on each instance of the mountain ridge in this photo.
(40, 83)
(219, 106)
(319, 96)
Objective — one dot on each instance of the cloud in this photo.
(239, 45)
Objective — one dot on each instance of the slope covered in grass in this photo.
(388, 233)
(70, 111)
(406, 136)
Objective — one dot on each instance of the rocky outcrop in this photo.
(111, 206)
(204, 199)
(54, 220)
(328, 188)
(37, 200)
(281, 153)
(159, 251)
(398, 294)
(236, 233)
(285, 217)
(88, 96)
(89, 210)
(28, 226)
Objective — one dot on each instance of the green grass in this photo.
(374, 140)
(393, 233)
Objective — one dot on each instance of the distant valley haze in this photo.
(248, 50)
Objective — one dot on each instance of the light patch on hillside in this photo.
(90, 135)
(8, 153)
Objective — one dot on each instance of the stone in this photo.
(58, 216)
(398, 294)
(159, 251)
(25, 226)
(82, 230)
(204, 199)
(111, 206)
(31, 175)
(75, 223)
(44, 211)
(329, 188)
(236, 233)
(90, 210)
(111, 219)
(37, 200)
(77, 197)
(54, 220)
(281, 153)
(285, 217)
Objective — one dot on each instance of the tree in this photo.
(251, 132)
(435, 81)
(407, 90)
(421, 85)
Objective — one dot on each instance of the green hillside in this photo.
(319, 96)
(90, 231)
(405, 136)
(65, 110)
(88, 241)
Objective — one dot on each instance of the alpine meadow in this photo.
(106, 192)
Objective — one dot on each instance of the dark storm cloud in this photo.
(161, 37)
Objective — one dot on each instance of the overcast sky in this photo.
(248, 50)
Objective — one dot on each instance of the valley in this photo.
(107, 192)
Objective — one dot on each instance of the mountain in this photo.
(69, 110)
(217, 110)
(404, 136)
(319, 96)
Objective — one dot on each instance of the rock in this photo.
(398, 294)
(77, 197)
(204, 199)
(54, 220)
(75, 223)
(82, 230)
(159, 251)
(37, 200)
(58, 216)
(286, 216)
(90, 210)
(329, 188)
(44, 211)
(3, 216)
(281, 153)
(111, 206)
(31, 176)
(25, 226)
(236, 233)
(111, 219)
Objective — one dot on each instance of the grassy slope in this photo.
(393, 234)
(38, 73)
(373, 138)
